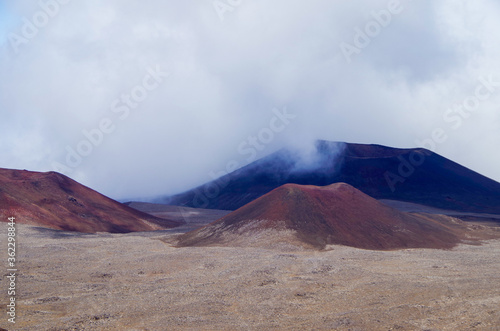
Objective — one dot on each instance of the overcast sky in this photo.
(139, 98)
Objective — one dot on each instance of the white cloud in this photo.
(228, 75)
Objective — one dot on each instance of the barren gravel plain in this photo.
(70, 281)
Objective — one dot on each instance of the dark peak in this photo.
(377, 151)
(406, 174)
(364, 150)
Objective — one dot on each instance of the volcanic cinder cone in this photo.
(317, 216)
(411, 175)
(55, 201)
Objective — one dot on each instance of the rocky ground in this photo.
(137, 281)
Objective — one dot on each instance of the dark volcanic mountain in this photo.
(317, 216)
(55, 201)
(412, 175)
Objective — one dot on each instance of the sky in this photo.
(137, 99)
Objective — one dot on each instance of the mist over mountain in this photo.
(412, 175)
(158, 94)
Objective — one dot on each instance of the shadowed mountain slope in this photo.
(412, 175)
(317, 216)
(55, 201)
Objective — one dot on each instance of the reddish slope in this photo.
(334, 214)
(55, 201)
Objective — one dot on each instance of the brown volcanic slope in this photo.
(55, 201)
(334, 214)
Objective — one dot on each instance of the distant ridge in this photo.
(436, 182)
(55, 201)
(317, 216)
